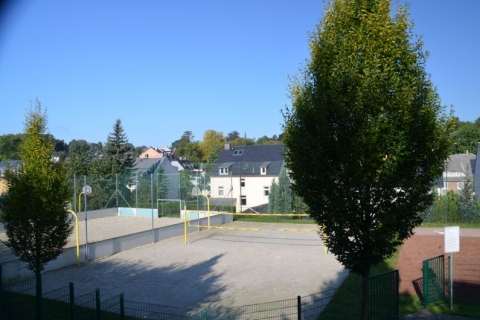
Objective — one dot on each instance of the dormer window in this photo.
(263, 168)
(238, 152)
(223, 171)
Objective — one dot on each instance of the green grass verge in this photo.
(22, 306)
(345, 304)
(442, 224)
(465, 308)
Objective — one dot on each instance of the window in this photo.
(460, 185)
(266, 190)
(223, 171)
(238, 152)
(263, 170)
(220, 191)
(242, 182)
(243, 200)
(445, 185)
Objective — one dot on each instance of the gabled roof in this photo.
(146, 165)
(252, 154)
(249, 160)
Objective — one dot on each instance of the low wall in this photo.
(15, 269)
(137, 212)
(96, 214)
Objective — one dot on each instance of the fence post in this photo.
(122, 307)
(97, 302)
(426, 282)
(299, 307)
(206, 315)
(72, 301)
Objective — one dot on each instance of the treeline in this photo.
(206, 150)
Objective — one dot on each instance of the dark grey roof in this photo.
(252, 154)
(146, 165)
(248, 160)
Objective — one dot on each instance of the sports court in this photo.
(218, 268)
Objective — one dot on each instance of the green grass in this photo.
(345, 304)
(470, 309)
(22, 306)
(442, 224)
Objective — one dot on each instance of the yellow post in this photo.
(185, 228)
(325, 248)
(76, 236)
(208, 208)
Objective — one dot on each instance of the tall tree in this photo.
(80, 156)
(366, 135)
(118, 152)
(10, 146)
(465, 138)
(466, 201)
(211, 145)
(34, 207)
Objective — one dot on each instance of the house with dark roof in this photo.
(243, 175)
(148, 166)
(459, 168)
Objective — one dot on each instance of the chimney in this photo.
(227, 146)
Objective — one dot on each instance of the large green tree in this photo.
(212, 145)
(118, 152)
(465, 138)
(33, 209)
(366, 134)
(10, 146)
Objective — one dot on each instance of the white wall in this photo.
(253, 189)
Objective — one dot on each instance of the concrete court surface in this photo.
(218, 268)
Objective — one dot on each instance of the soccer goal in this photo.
(171, 208)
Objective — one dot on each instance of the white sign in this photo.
(452, 239)
(87, 190)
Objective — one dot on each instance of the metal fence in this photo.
(434, 284)
(465, 273)
(17, 301)
(384, 295)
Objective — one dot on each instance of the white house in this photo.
(458, 168)
(243, 175)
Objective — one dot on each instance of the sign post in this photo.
(452, 244)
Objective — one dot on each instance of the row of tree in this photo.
(205, 150)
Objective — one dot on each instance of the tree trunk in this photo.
(38, 295)
(365, 307)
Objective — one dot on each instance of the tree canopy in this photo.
(34, 207)
(118, 151)
(366, 134)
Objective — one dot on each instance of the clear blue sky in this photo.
(165, 67)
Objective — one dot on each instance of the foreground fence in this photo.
(17, 301)
(434, 285)
(464, 275)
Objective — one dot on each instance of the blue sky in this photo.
(165, 67)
